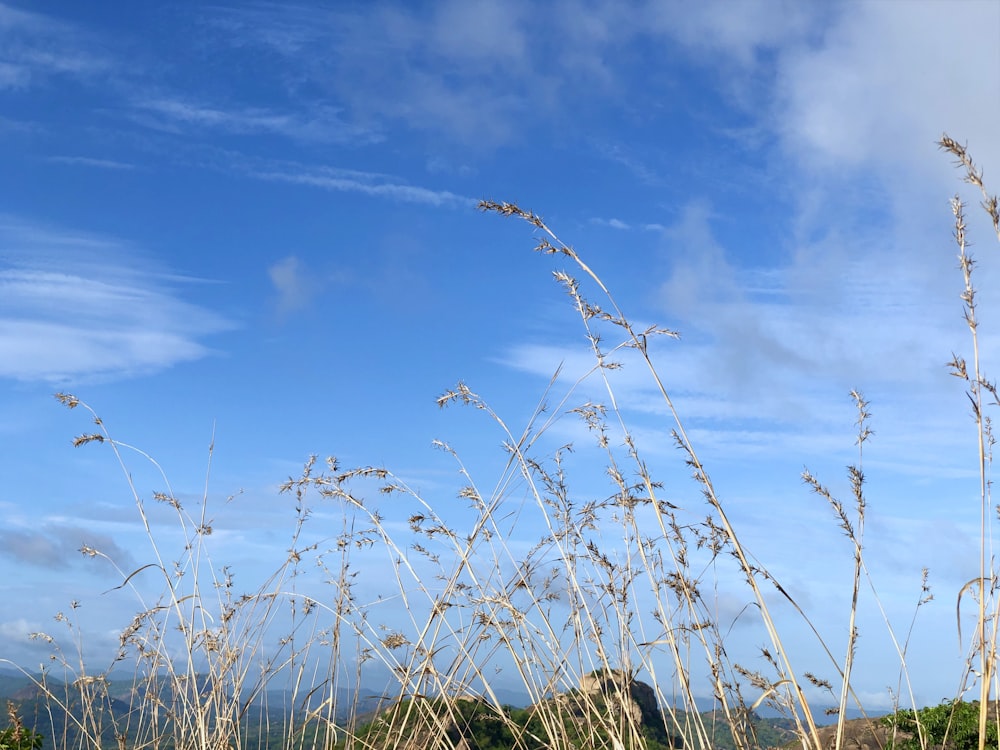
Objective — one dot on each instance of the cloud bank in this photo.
(74, 305)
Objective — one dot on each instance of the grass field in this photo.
(614, 590)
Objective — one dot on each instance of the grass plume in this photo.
(613, 592)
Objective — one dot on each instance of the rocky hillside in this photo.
(859, 734)
(607, 706)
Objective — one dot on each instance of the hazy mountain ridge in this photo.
(586, 713)
(118, 706)
(120, 698)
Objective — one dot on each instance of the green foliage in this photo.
(478, 725)
(17, 736)
(771, 732)
(953, 724)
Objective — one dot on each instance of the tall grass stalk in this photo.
(979, 390)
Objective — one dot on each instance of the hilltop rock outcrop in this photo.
(613, 685)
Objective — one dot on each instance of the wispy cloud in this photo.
(385, 62)
(768, 354)
(37, 46)
(619, 154)
(320, 123)
(377, 185)
(59, 546)
(86, 161)
(9, 125)
(612, 223)
(842, 102)
(293, 284)
(740, 32)
(19, 631)
(486, 71)
(829, 81)
(74, 305)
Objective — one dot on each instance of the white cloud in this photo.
(293, 284)
(18, 631)
(769, 354)
(442, 165)
(386, 62)
(740, 31)
(74, 305)
(359, 182)
(844, 307)
(37, 46)
(57, 544)
(492, 33)
(635, 163)
(13, 76)
(887, 79)
(316, 124)
(86, 161)
(487, 71)
(611, 223)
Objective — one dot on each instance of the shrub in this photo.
(952, 724)
(17, 736)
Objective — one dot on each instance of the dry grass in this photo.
(620, 585)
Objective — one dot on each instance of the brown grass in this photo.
(619, 585)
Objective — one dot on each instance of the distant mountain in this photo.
(123, 709)
(605, 704)
(822, 715)
(13, 685)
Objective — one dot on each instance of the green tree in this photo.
(17, 736)
(952, 724)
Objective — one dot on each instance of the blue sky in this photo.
(257, 221)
